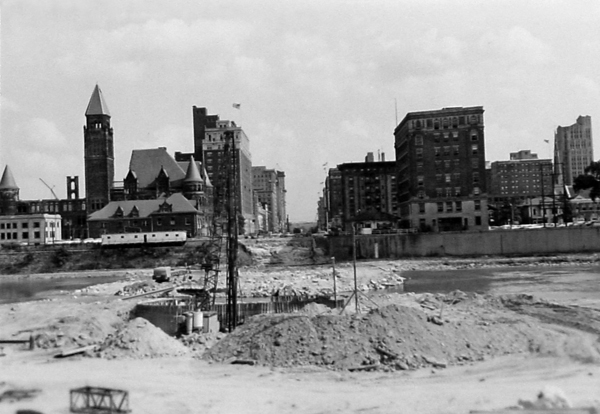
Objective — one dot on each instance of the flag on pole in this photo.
(237, 106)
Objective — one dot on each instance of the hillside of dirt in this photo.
(413, 331)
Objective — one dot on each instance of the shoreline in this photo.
(408, 264)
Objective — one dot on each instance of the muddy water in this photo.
(32, 289)
(556, 283)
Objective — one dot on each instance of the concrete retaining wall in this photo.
(497, 242)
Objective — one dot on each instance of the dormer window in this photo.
(135, 212)
(119, 212)
(165, 207)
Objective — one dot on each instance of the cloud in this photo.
(9, 105)
(516, 46)
(131, 51)
(584, 84)
(427, 54)
(40, 134)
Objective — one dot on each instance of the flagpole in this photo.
(239, 108)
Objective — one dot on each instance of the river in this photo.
(27, 289)
(555, 283)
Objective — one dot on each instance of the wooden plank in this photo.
(75, 351)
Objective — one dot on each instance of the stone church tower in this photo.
(99, 153)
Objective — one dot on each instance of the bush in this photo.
(61, 257)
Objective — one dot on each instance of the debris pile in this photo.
(77, 331)
(199, 342)
(138, 338)
(137, 288)
(433, 330)
(548, 398)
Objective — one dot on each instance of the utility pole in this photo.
(543, 195)
(232, 230)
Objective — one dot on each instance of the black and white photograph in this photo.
(300, 206)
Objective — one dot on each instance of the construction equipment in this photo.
(50, 188)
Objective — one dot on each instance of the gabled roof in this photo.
(147, 164)
(97, 105)
(146, 208)
(8, 181)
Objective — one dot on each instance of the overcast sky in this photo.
(317, 80)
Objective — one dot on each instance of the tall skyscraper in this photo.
(573, 149)
(269, 187)
(99, 155)
(440, 161)
(209, 141)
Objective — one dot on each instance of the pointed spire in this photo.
(8, 181)
(192, 174)
(207, 183)
(97, 105)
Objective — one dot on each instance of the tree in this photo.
(591, 180)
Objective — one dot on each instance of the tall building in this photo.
(333, 198)
(522, 177)
(573, 149)
(269, 187)
(98, 153)
(209, 141)
(440, 159)
(368, 193)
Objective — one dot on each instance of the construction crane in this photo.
(224, 228)
(50, 188)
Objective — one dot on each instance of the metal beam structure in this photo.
(99, 400)
(224, 228)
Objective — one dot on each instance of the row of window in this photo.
(446, 136)
(24, 235)
(445, 123)
(446, 151)
(450, 206)
(448, 192)
(24, 225)
(159, 222)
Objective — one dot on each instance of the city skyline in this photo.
(317, 83)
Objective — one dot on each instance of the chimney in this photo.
(369, 157)
(383, 157)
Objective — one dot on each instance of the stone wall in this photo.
(497, 242)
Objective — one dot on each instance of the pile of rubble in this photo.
(138, 338)
(430, 331)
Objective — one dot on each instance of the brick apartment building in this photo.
(269, 188)
(440, 160)
(368, 194)
(209, 141)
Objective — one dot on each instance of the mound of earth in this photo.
(138, 338)
(89, 325)
(431, 330)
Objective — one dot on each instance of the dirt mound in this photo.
(469, 328)
(88, 326)
(138, 338)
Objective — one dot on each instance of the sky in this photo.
(318, 81)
